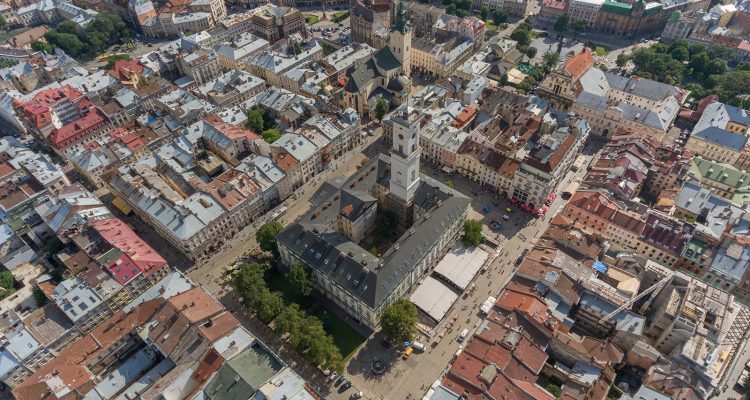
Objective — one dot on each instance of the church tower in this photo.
(400, 40)
(405, 154)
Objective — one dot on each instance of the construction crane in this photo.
(657, 286)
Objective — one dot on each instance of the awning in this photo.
(513, 200)
(600, 267)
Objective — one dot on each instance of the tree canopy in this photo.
(7, 284)
(499, 17)
(299, 279)
(473, 232)
(381, 108)
(103, 30)
(266, 236)
(562, 24)
(522, 36)
(399, 320)
(271, 135)
(696, 66)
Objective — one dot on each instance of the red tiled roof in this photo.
(556, 4)
(525, 302)
(67, 371)
(577, 65)
(231, 131)
(286, 162)
(119, 235)
(124, 70)
(6, 169)
(123, 269)
(196, 304)
(219, 326)
(83, 126)
(37, 110)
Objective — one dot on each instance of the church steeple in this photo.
(400, 23)
(400, 40)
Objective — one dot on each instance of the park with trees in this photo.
(104, 30)
(700, 68)
(284, 301)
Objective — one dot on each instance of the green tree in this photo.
(550, 60)
(449, 183)
(271, 135)
(381, 108)
(269, 304)
(562, 24)
(732, 87)
(399, 320)
(3, 21)
(289, 320)
(7, 63)
(266, 236)
(680, 53)
(522, 36)
(249, 280)
(622, 60)
(7, 284)
(499, 18)
(531, 52)
(299, 279)
(42, 46)
(67, 27)
(484, 12)
(68, 42)
(473, 232)
(578, 27)
(699, 63)
(39, 297)
(255, 119)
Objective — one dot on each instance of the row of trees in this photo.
(698, 67)
(104, 30)
(304, 333)
(261, 122)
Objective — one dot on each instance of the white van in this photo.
(418, 346)
(463, 335)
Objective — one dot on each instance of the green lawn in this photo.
(340, 16)
(344, 336)
(601, 51)
(311, 19)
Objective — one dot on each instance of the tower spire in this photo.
(401, 24)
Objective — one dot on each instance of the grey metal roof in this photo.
(641, 87)
(356, 270)
(721, 137)
(595, 82)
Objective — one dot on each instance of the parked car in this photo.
(346, 386)
(332, 376)
(463, 335)
(418, 346)
(407, 353)
(341, 379)
(357, 395)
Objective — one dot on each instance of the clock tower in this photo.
(405, 154)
